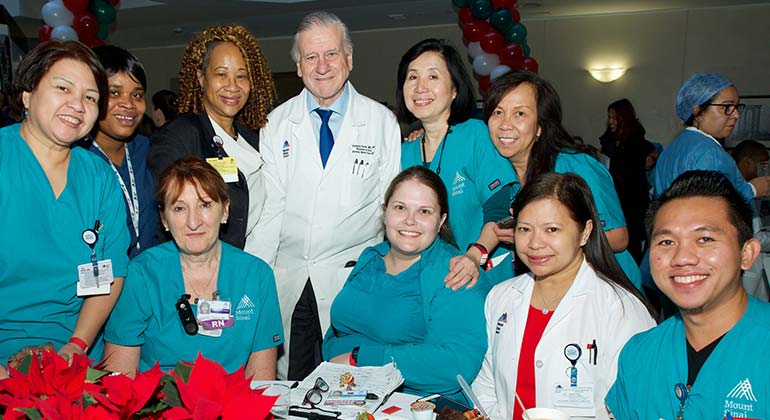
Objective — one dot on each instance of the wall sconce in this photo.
(607, 75)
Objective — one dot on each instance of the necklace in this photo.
(545, 309)
(199, 295)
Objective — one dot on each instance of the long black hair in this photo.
(574, 194)
(554, 138)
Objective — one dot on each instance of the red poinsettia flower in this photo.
(210, 394)
(125, 396)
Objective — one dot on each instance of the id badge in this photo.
(226, 166)
(213, 316)
(88, 285)
(581, 396)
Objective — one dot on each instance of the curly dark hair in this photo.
(196, 56)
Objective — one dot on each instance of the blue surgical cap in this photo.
(697, 90)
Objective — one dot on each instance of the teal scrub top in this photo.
(41, 244)
(454, 339)
(734, 378)
(146, 316)
(606, 199)
(472, 171)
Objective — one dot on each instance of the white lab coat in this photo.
(591, 309)
(755, 279)
(316, 220)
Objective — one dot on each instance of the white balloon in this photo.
(64, 33)
(56, 14)
(484, 63)
(498, 71)
(474, 49)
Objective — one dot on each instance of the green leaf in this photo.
(32, 413)
(24, 365)
(183, 371)
(168, 385)
(159, 406)
(93, 375)
(88, 399)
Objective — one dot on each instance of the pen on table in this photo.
(596, 350)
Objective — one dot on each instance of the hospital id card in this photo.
(581, 396)
(226, 166)
(89, 285)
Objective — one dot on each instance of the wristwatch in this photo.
(483, 250)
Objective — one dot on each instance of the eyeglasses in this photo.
(730, 108)
(315, 395)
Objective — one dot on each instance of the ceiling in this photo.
(152, 23)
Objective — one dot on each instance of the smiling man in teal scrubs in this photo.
(710, 360)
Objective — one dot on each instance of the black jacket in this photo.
(191, 135)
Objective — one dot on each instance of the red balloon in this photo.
(515, 15)
(44, 34)
(531, 65)
(484, 84)
(86, 25)
(76, 6)
(465, 16)
(492, 42)
(512, 56)
(474, 31)
(508, 4)
(117, 2)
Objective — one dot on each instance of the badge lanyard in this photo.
(90, 237)
(572, 352)
(132, 199)
(680, 390)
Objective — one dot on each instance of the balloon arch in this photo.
(85, 20)
(496, 39)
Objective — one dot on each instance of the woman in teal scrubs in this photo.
(62, 209)
(434, 88)
(394, 305)
(227, 297)
(523, 112)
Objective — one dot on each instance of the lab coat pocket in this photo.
(361, 182)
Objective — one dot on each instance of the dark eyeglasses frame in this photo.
(729, 109)
(314, 396)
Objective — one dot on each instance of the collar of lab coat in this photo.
(582, 287)
(353, 114)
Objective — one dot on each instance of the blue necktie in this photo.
(326, 137)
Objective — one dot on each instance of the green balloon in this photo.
(461, 3)
(516, 33)
(525, 48)
(104, 11)
(501, 19)
(104, 31)
(481, 9)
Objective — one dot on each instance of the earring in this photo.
(166, 228)
(26, 112)
(224, 222)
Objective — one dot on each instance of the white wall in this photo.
(661, 50)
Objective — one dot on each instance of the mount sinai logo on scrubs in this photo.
(739, 401)
(245, 309)
(458, 185)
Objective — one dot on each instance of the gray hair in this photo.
(321, 18)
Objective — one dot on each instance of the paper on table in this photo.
(378, 380)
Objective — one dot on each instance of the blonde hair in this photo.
(196, 56)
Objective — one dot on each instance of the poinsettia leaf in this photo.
(183, 370)
(93, 375)
(145, 386)
(206, 410)
(170, 391)
(177, 413)
(24, 365)
(156, 407)
(32, 413)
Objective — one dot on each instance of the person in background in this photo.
(413, 319)
(115, 139)
(434, 88)
(164, 107)
(749, 155)
(330, 154)
(709, 105)
(624, 143)
(226, 90)
(709, 360)
(64, 219)
(523, 112)
(202, 272)
(539, 324)
(5, 111)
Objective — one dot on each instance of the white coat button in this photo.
(539, 363)
(305, 257)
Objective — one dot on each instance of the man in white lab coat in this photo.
(330, 154)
